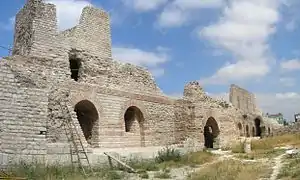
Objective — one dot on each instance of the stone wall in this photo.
(23, 116)
(36, 30)
(92, 34)
(204, 108)
(38, 94)
(290, 129)
(242, 99)
(111, 106)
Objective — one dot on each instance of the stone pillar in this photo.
(247, 145)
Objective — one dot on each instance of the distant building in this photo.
(277, 117)
(297, 117)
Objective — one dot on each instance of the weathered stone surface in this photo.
(36, 91)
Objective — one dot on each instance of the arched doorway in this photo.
(134, 122)
(247, 131)
(240, 127)
(211, 132)
(87, 116)
(253, 131)
(257, 123)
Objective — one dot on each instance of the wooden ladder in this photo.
(77, 150)
(110, 157)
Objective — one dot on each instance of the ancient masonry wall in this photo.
(242, 99)
(245, 102)
(92, 34)
(35, 78)
(23, 116)
(203, 107)
(290, 129)
(35, 30)
(111, 104)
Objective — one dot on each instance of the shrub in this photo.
(168, 154)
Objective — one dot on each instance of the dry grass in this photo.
(191, 159)
(276, 141)
(264, 148)
(39, 172)
(232, 170)
(291, 169)
(258, 154)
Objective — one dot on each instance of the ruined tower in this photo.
(37, 33)
(35, 29)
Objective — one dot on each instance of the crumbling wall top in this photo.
(193, 90)
(92, 34)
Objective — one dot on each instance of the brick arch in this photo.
(240, 128)
(247, 130)
(258, 122)
(209, 114)
(78, 97)
(139, 108)
(130, 103)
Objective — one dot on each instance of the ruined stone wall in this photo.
(242, 99)
(184, 120)
(111, 106)
(23, 116)
(92, 34)
(115, 75)
(204, 107)
(36, 30)
(290, 129)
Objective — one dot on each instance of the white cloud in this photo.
(241, 70)
(151, 60)
(144, 5)
(287, 81)
(68, 12)
(290, 65)
(179, 12)
(244, 34)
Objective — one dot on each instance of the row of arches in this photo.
(253, 131)
(133, 122)
(88, 118)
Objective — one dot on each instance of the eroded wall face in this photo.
(242, 99)
(185, 122)
(23, 116)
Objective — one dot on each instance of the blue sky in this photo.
(217, 42)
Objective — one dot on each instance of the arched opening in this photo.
(269, 131)
(253, 131)
(211, 132)
(87, 116)
(247, 131)
(240, 127)
(257, 127)
(134, 122)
